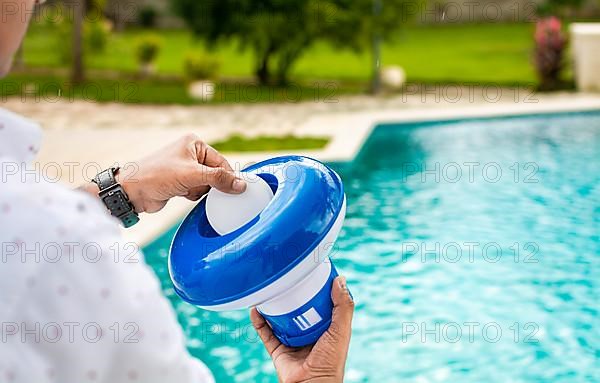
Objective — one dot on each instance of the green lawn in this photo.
(490, 53)
(101, 88)
(469, 53)
(237, 143)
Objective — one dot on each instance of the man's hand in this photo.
(322, 362)
(188, 168)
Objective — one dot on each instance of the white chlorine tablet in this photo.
(229, 212)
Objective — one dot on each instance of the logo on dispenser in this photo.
(310, 318)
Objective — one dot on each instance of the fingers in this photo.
(213, 170)
(224, 180)
(219, 173)
(207, 155)
(331, 350)
(196, 193)
(215, 159)
(343, 310)
(264, 331)
(199, 178)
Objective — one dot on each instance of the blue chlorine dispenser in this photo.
(267, 247)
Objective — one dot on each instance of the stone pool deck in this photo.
(82, 136)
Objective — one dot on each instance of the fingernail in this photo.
(342, 282)
(239, 185)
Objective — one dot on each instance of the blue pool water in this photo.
(472, 250)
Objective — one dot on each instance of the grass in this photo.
(486, 53)
(475, 54)
(163, 91)
(238, 143)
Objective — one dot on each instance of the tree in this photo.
(77, 75)
(19, 59)
(279, 31)
(560, 8)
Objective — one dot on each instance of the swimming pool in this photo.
(471, 248)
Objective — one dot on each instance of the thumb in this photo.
(343, 307)
(264, 331)
(333, 345)
(223, 180)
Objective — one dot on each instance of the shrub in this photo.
(199, 67)
(64, 41)
(96, 35)
(95, 38)
(550, 44)
(147, 49)
(147, 17)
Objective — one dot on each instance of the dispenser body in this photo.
(305, 324)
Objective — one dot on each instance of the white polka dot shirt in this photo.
(77, 303)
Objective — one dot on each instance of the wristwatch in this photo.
(114, 197)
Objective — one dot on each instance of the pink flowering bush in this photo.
(550, 45)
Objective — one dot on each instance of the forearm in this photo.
(186, 168)
(326, 379)
(90, 188)
(129, 184)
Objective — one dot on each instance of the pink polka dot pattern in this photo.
(105, 293)
(140, 334)
(164, 336)
(10, 376)
(62, 290)
(132, 375)
(61, 231)
(92, 375)
(53, 332)
(18, 241)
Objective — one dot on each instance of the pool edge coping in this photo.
(344, 147)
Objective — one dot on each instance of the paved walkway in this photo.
(96, 135)
(218, 121)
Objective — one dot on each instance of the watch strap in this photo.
(114, 197)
